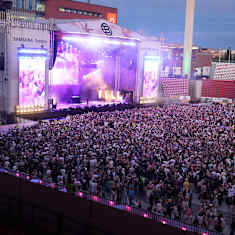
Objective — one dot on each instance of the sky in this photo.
(214, 25)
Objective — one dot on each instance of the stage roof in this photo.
(96, 27)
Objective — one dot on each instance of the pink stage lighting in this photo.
(17, 174)
(111, 203)
(40, 182)
(204, 233)
(95, 198)
(163, 222)
(52, 185)
(27, 177)
(145, 215)
(128, 208)
(184, 229)
(96, 41)
(80, 194)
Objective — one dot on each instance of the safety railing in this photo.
(110, 203)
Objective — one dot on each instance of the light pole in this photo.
(188, 36)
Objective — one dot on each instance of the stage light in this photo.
(204, 233)
(129, 43)
(17, 174)
(128, 208)
(163, 222)
(111, 203)
(27, 177)
(80, 194)
(37, 51)
(145, 215)
(95, 198)
(184, 229)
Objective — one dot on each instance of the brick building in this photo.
(65, 9)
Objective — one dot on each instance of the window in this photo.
(80, 12)
(23, 6)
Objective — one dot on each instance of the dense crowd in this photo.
(169, 153)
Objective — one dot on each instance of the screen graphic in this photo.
(31, 81)
(151, 68)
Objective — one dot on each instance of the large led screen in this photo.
(151, 73)
(31, 81)
(84, 66)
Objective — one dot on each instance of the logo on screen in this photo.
(106, 29)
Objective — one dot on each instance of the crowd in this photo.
(168, 153)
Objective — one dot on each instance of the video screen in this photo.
(84, 66)
(151, 68)
(31, 81)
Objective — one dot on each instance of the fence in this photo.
(89, 208)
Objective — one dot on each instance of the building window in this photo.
(23, 6)
(80, 12)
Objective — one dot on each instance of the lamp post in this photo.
(188, 36)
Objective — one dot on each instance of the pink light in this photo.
(52, 185)
(111, 203)
(27, 177)
(204, 233)
(40, 182)
(128, 208)
(184, 229)
(163, 221)
(80, 194)
(95, 198)
(145, 215)
(17, 174)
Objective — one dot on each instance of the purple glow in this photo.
(163, 222)
(98, 41)
(145, 215)
(111, 203)
(184, 229)
(40, 182)
(17, 174)
(83, 70)
(31, 81)
(204, 233)
(80, 194)
(151, 68)
(128, 208)
(36, 51)
(52, 185)
(95, 198)
(27, 177)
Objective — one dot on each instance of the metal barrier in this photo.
(135, 211)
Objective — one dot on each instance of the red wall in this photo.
(52, 10)
(218, 89)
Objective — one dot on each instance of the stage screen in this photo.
(31, 81)
(151, 68)
(86, 65)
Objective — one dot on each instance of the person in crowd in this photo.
(173, 154)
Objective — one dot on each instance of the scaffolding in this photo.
(9, 22)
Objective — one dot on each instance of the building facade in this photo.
(65, 9)
(69, 9)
